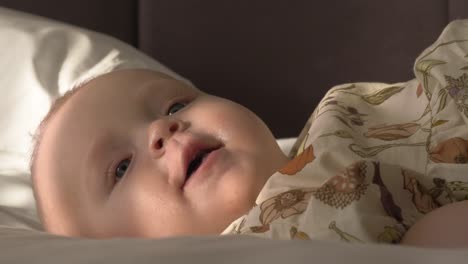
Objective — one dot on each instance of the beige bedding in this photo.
(374, 158)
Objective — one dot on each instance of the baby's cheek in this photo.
(243, 189)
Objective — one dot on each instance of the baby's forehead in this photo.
(126, 79)
(122, 75)
(123, 85)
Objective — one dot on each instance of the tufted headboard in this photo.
(278, 58)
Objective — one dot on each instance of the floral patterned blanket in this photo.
(373, 158)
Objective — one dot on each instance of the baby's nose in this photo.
(160, 131)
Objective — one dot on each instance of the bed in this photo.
(276, 58)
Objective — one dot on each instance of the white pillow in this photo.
(286, 144)
(41, 59)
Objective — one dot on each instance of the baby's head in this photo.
(138, 153)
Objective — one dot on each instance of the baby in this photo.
(136, 153)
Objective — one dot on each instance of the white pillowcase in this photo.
(42, 59)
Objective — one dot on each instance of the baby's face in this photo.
(137, 153)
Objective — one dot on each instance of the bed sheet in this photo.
(25, 246)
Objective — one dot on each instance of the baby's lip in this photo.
(191, 150)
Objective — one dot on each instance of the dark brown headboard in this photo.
(276, 57)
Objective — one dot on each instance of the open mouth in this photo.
(197, 161)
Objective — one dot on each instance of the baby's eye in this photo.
(175, 107)
(122, 168)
